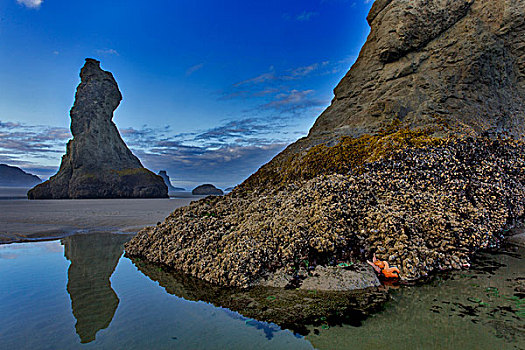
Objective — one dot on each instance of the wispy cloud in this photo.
(32, 147)
(273, 76)
(33, 4)
(294, 100)
(286, 92)
(19, 138)
(224, 166)
(300, 17)
(306, 16)
(225, 154)
(107, 52)
(194, 68)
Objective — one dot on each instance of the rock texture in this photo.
(458, 65)
(11, 176)
(419, 159)
(97, 163)
(423, 210)
(207, 190)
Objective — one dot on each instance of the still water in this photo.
(80, 292)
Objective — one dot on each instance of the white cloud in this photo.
(34, 4)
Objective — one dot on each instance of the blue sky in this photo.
(212, 89)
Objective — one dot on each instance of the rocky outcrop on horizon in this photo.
(166, 179)
(207, 190)
(171, 188)
(97, 163)
(11, 176)
(419, 159)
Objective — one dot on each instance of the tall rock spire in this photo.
(97, 163)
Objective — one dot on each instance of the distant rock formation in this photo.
(11, 176)
(229, 189)
(97, 163)
(167, 181)
(207, 190)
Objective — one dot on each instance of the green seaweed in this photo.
(349, 153)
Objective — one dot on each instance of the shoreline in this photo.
(39, 220)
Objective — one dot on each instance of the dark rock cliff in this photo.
(97, 163)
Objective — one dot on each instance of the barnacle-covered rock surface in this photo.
(424, 207)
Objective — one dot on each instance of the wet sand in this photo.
(13, 192)
(24, 220)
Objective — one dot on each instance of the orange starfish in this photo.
(378, 265)
(390, 272)
(382, 267)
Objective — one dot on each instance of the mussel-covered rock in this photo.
(422, 208)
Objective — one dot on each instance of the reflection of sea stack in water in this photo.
(93, 260)
(97, 163)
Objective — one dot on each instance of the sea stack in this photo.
(419, 160)
(207, 190)
(166, 178)
(97, 163)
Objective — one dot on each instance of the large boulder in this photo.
(97, 163)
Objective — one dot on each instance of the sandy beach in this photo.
(24, 220)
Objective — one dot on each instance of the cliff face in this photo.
(97, 163)
(449, 67)
(457, 65)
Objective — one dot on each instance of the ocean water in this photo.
(80, 292)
